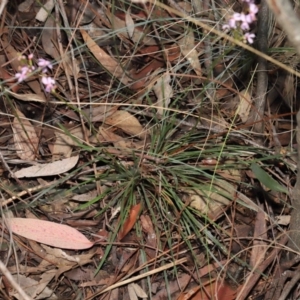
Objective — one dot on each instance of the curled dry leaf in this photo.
(118, 141)
(139, 36)
(64, 143)
(32, 288)
(127, 122)
(50, 169)
(129, 24)
(139, 291)
(187, 47)
(49, 233)
(25, 138)
(163, 92)
(136, 292)
(212, 199)
(245, 105)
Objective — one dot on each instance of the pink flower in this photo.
(44, 64)
(49, 83)
(23, 74)
(253, 9)
(225, 27)
(246, 21)
(249, 37)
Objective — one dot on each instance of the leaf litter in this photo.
(149, 161)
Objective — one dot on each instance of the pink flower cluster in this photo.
(43, 66)
(243, 21)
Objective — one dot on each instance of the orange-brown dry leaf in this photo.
(109, 63)
(129, 223)
(224, 292)
(25, 138)
(212, 291)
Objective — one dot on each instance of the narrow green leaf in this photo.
(267, 180)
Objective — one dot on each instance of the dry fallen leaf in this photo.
(139, 36)
(26, 97)
(283, 220)
(260, 247)
(49, 42)
(49, 233)
(163, 92)
(127, 122)
(135, 292)
(50, 169)
(245, 105)
(109, 63)
(211, 199)
(64, 143)
(188, 49)
(129, 24)
(44, 11)
(32, 288)
(118, 141)
(131, 219)
(25, 138)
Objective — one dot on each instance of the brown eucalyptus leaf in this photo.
(108, 62)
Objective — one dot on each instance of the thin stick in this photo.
(12, 281)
